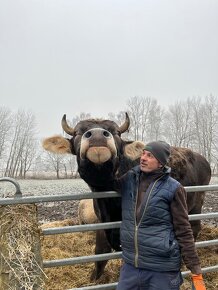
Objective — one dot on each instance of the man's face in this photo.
(148, 162)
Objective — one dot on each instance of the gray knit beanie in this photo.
(160, 150)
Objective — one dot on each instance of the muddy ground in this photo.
(64, 210)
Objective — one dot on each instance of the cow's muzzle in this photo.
(97, 145)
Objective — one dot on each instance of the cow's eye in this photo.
(106, 134)
(88, 134)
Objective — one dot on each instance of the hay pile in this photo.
(20, 260)
(82, 244)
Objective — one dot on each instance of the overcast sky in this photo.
(68, 56)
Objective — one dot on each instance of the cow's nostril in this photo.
(88, 134)
(106, 134)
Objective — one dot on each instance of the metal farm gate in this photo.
(19, 199)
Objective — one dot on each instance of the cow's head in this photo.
(95, 142)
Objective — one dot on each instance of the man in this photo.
(155, 230)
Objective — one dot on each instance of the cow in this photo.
(102, 155)
(86, 213)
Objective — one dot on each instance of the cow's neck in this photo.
(98, 177)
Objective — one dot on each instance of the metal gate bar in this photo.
(112, 286)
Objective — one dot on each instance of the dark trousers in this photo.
(132, 278)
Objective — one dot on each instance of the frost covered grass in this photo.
(49, 211)
(45, 187)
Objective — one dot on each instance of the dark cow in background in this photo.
(103, 155)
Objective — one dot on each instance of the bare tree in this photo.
(146, 118)
(22, 146)
(194, 123)
(206, 125)
(5, 123)
(155, 124)
(64, 165)
(179, 124)
(27, 156)
(54, 162)
(71, 165)
(135, 111)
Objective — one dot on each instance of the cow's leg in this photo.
(102, 246)
(195, 225)
(199, 200)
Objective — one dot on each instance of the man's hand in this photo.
(198, 282)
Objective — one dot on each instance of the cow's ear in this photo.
(57, 144)
(134, 150)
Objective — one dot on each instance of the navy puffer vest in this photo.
(150, 244)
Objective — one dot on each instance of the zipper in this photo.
(137, 225)
(136, 228)
(136, 246)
